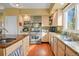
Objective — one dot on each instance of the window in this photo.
(70, 17)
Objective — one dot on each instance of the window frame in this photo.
(65, 10)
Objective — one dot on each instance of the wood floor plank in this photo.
(40, 50)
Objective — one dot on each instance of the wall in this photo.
(15, 11)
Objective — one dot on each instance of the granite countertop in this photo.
(18, 38)
(74, 45)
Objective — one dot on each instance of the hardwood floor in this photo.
(40, 50)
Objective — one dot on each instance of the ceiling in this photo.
(57, 6)
(25, 5)
(51, 6)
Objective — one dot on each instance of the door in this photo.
(10, 25)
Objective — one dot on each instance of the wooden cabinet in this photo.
(70, 52)
(57, 18)
(13, 47)
(13, 50)
(45, 38)
(19, 48)
(55, 46)
(25, 45)
(2, 52)
(61, 48)
(51, 40)
(45, 20)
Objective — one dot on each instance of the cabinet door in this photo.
(70, 52)
(13, 47)
(25, 45)
(52, 42)
(61, 48)
(49, 37)
(61, 52)
(45, 20)
(55, 46)
(45, 38)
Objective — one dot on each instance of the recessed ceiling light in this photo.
(17, 5)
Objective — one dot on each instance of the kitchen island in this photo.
(14, 46)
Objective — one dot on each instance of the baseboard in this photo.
(45, 42)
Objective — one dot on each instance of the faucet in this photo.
(4, 29)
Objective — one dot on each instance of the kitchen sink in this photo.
(65, 38)
(6, 40)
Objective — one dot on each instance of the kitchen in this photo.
(26, 26)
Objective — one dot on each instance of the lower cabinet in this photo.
(51, 41)
(14, 50)
(17, 52)
(61, 52)
(55, 45)
(61, 48)
(45, 38)
(70, 52)
(19, 48)
(25, 45)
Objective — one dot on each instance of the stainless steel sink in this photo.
(6, 40)
(66, 38)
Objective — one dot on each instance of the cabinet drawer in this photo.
(45, 38)
(70, 52)
(61, 45)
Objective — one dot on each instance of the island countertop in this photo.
(18, 38)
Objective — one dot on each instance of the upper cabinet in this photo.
(57, 18)
(45, 20)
